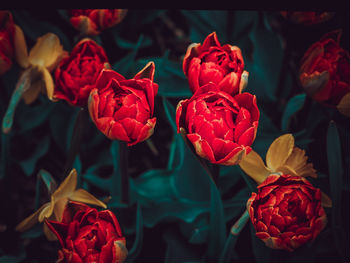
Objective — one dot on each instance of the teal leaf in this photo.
(137, 246)
(124, 65)
(334, 156)
(169, 76)
(265, 65)
(217, 225)
(28, 165)
(293, 106)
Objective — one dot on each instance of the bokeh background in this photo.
(175, 215)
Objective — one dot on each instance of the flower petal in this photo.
(325, 200)
(31, 220)
(67, 187)
(46, 50)
(80, 195)
(253, 166)
(279, 151)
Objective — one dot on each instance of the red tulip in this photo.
(122, 109)
(76, 75)
(7, 32)
(93, 21)
(87, 235)
(212, 62)
(325, 72)
(221, 127)
(286, 212)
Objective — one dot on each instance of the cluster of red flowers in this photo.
(219, 119)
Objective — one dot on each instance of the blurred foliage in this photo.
(176, 213)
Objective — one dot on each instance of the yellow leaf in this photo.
(46, 50)
(48, 233)
(31, 220)
(21, 51)
(83, 196)
(279, 151)
(254, 166)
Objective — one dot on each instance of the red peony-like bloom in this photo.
(7, 32)
(325, 72)
(286, 212)
(212, 62)
(87, 235)
(93, 21)
(221, 127)
(76, 75)
(122, 109)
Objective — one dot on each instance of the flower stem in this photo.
(216, 173)
(123, 164)
(229, 251)
(79, 126)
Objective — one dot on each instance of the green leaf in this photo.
(229, 249)
(217, 225)
(169, 76)
(137, 246)
(126, 44)
(123, 66)
(334, 157)
(28, 165)
(293, 106)
(4, 154)
(265, 65)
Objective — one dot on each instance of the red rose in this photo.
(220, 127)
(93, 21)
(7, 32)
(122, 108)
(211, 62)
(87, 235)
(286, 212)
(76, 75)
(325, 70)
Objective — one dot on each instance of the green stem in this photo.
(123, 164)
(216, 173)
(75, 143)
(232, 238)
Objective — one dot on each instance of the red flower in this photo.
(87, 235)
(122, 108)
(220, 127)
(211, 62)
(325, 71)
(7, 32)
(76, 75)
(286, 212)
(93, 21)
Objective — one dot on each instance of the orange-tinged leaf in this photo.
(279, 151)
(48, 233)
(254, 166)
(83, 196)
(31, 220)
